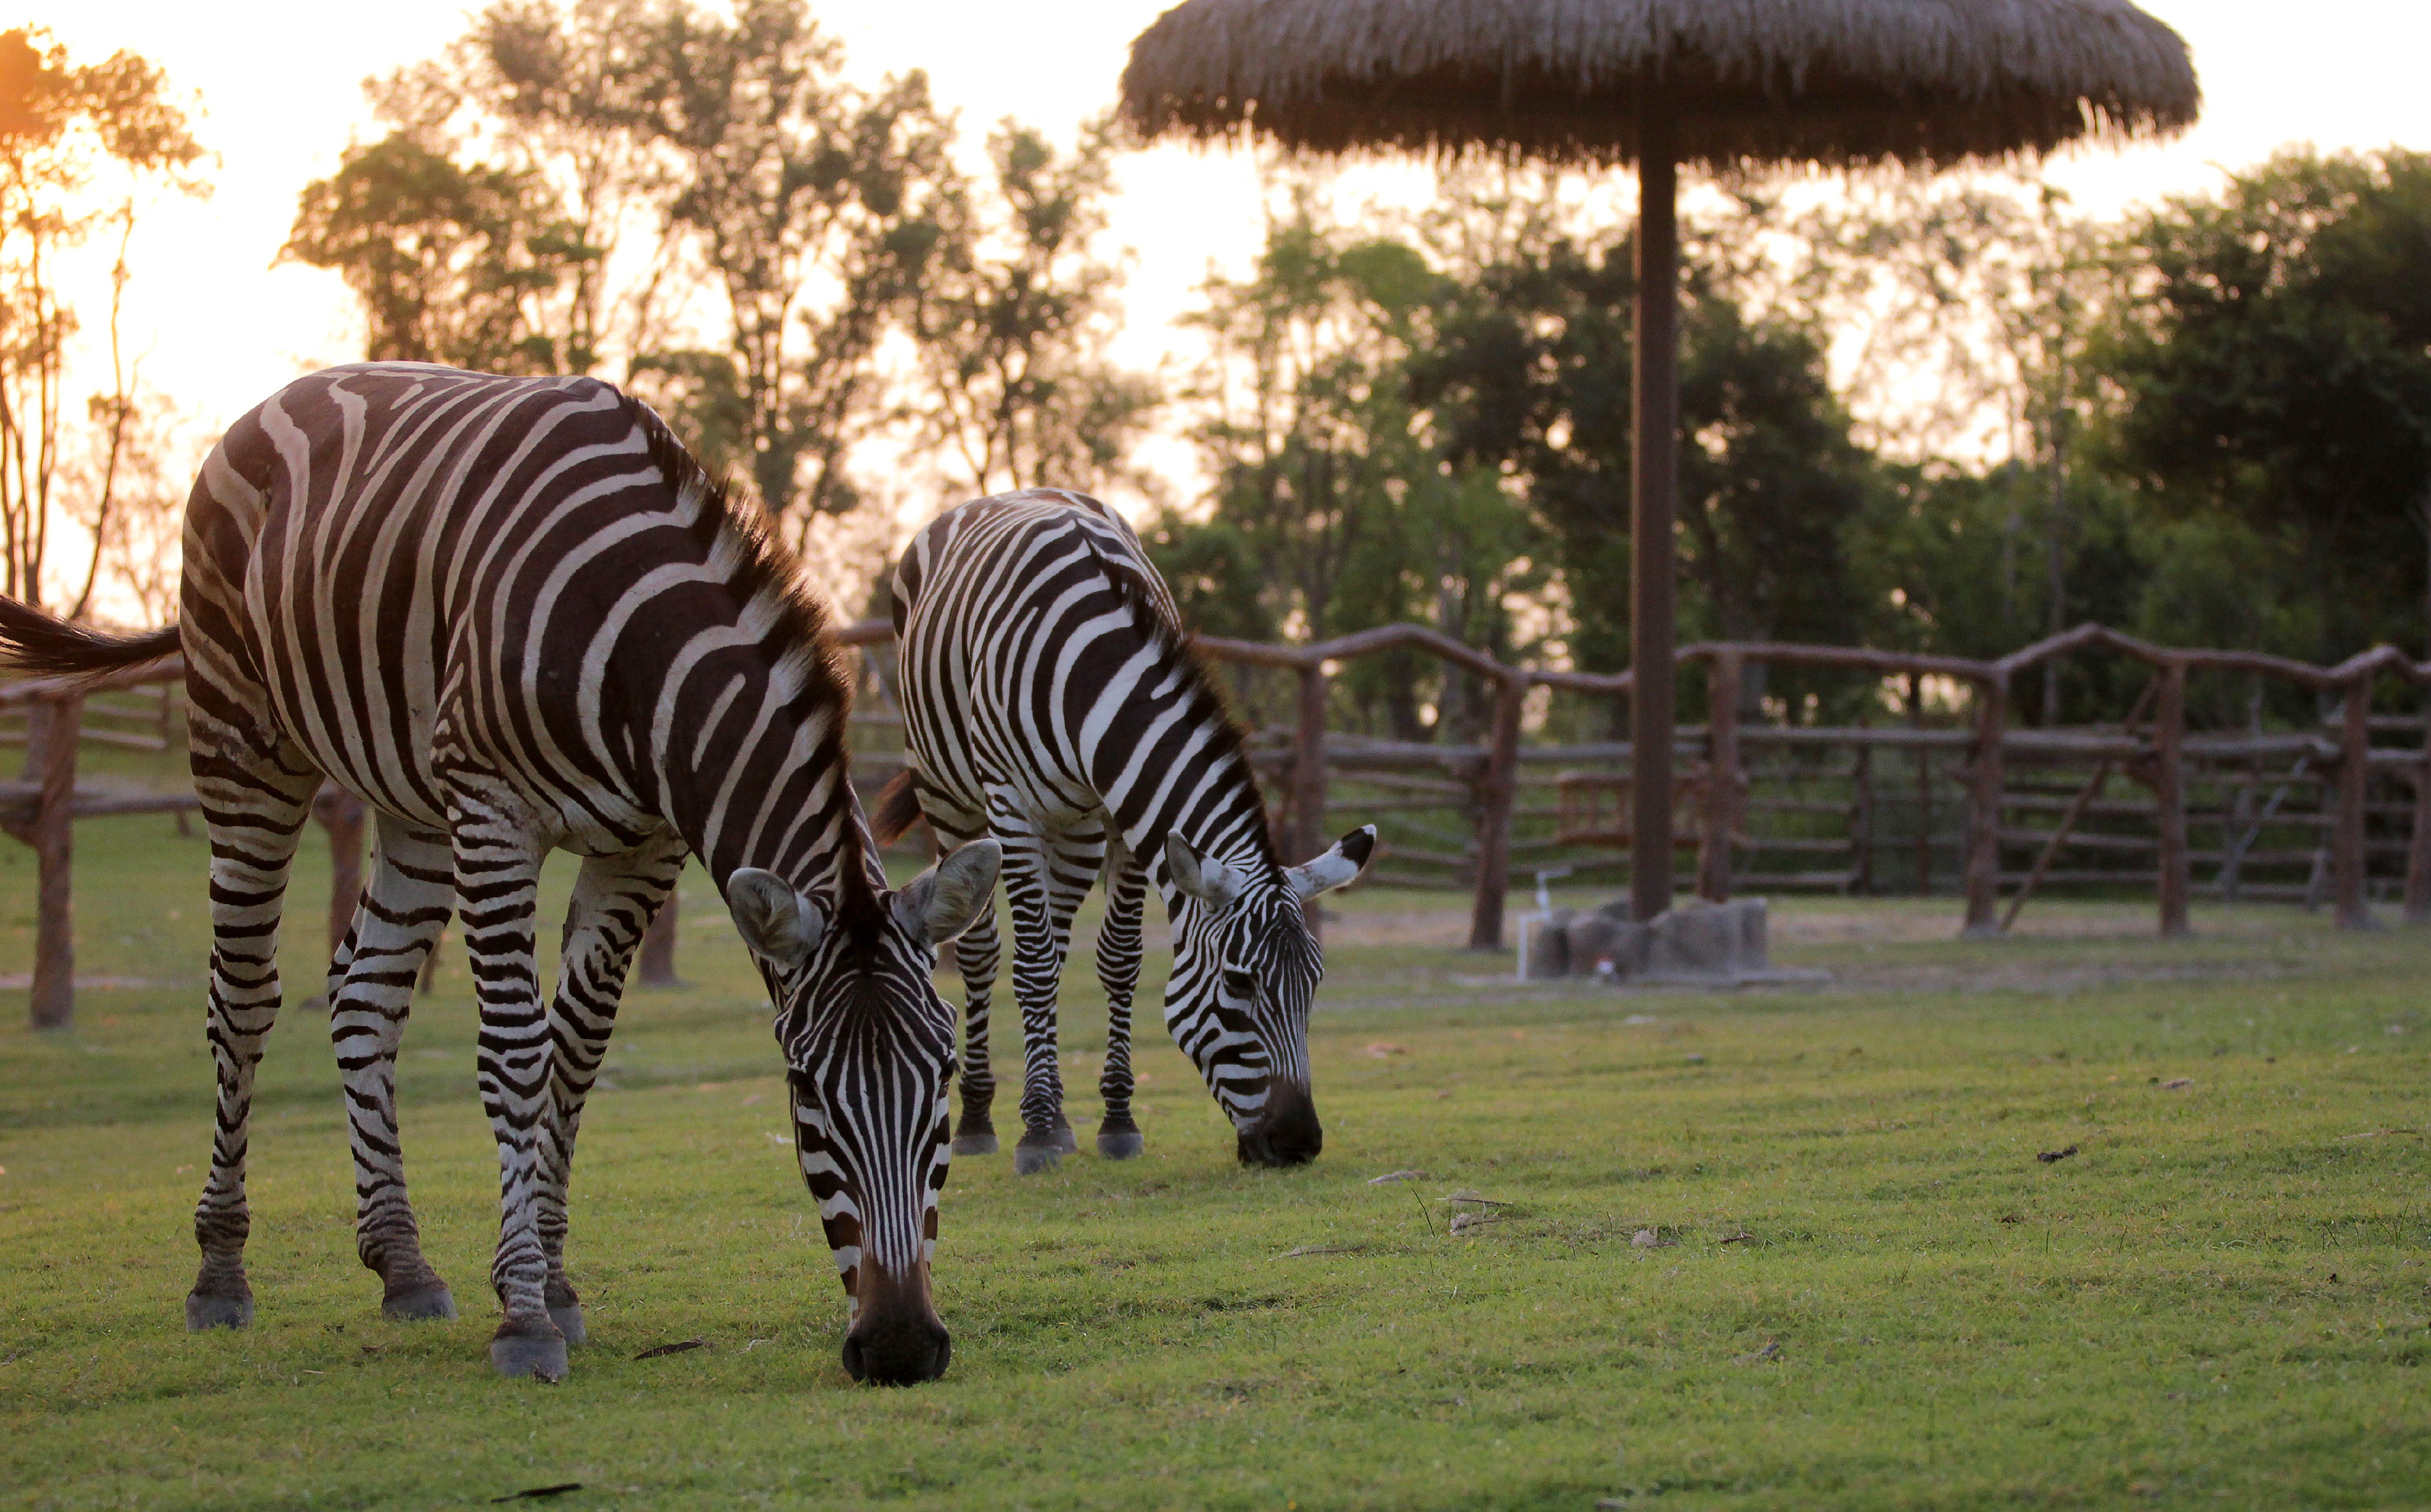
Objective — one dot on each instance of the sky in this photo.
(218, 327)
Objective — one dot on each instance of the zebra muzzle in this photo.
(897, 1338)
(1286, 1132)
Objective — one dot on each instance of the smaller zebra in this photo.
(1051, 702)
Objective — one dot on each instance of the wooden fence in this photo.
(1870, 798)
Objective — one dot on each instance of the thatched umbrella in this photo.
(1661, 83)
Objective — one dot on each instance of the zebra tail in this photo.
(40, 644)
(897, 806)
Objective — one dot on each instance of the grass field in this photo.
(2220, 1300)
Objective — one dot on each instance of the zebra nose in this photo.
(1286, 1133)
(896, 1338)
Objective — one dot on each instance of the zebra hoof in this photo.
(1032, 1160)
(203, 1314)
(517, 1355)
(424, 1305)
(568, 1320)
(1120, 1144)
(982, 1143)
(1067, 1142)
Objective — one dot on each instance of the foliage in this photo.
(813, 203)
(560, 94)
(451, 261)
(1326, 479)
(1013, 318)
(1533, 374)
(2217, 1300)
(67, 130)
(2273, 369)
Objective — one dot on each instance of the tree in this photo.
(1530, 373)
(451, 262)
(2272, 365)
(1327, 481)
(1014, 317)
(63, 127)
(815, 205)
(563, 93)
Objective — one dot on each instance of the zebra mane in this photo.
(768, 576)
(1207, 708)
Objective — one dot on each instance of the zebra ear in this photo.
(942, 901)
(1213, 882)
(779, 925)
(1341, 865)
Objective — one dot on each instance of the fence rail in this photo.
(1464, 813)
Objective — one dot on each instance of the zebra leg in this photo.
(371, 994)
(1045, 880)
(614, 900)
(976, 952)
(1118, 969)
(255, 804)
(497, 880)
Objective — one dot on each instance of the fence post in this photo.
(1308, 783)
(1923, 789)
(1984, 809)
(2354, 780)
(1861, 824)
(55, 726)
(2418, 854)
(1500, 786)
(1721, 777)
(657, 962)
(2170, 796)
(341, 814)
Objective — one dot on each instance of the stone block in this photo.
(1701, 939)
(1590, 940)
(1548, 954)
(1756, 933)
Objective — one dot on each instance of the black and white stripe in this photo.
(1050, 702)
(514, 615)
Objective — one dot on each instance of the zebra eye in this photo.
(1240, 983)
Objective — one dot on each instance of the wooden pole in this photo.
(1721, 777)
(2170, 796)
(341, 814)
(55, 726)
(1655, 384)
(1983, 810)
(2074, 813)
(1308, 784)
(2355, 777)
(1924, 790)
(1861, 826)
(657, 962)
(1498, 790)
(2418, 854)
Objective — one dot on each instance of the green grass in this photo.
(2219, 1301)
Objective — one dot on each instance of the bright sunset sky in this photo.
(219, 327)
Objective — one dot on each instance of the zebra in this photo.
(515, 616)
(1052, 703)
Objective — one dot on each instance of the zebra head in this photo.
(1245, 975)
(868, 1045)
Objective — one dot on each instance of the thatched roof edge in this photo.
(1828, 81)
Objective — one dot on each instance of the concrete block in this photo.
(1756, 933)
(1701, 939)
(1548, 953)
(1591, 937)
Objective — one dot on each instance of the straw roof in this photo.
(1821, 81)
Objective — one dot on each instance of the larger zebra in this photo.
(515, 616)
(1050, 702)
